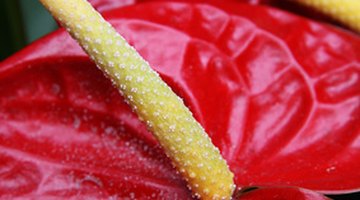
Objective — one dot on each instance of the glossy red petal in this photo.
(103, 5)
(277, 93)
(281, 193)
(66, 133)
(280, 115)
(290, 6)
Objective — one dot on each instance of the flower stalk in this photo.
(344, 11)
(166, 116)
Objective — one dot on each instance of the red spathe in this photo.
(278, 94)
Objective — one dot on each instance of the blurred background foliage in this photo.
(22, 22)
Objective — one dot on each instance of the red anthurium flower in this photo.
(293, 6)
(278, 94)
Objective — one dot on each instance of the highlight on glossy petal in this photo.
(344, 11)
(181, 136)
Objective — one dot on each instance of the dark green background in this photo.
(22, 21)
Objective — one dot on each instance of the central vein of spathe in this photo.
(181, 136)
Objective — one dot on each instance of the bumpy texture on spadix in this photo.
(345, 11)
(182, 137)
